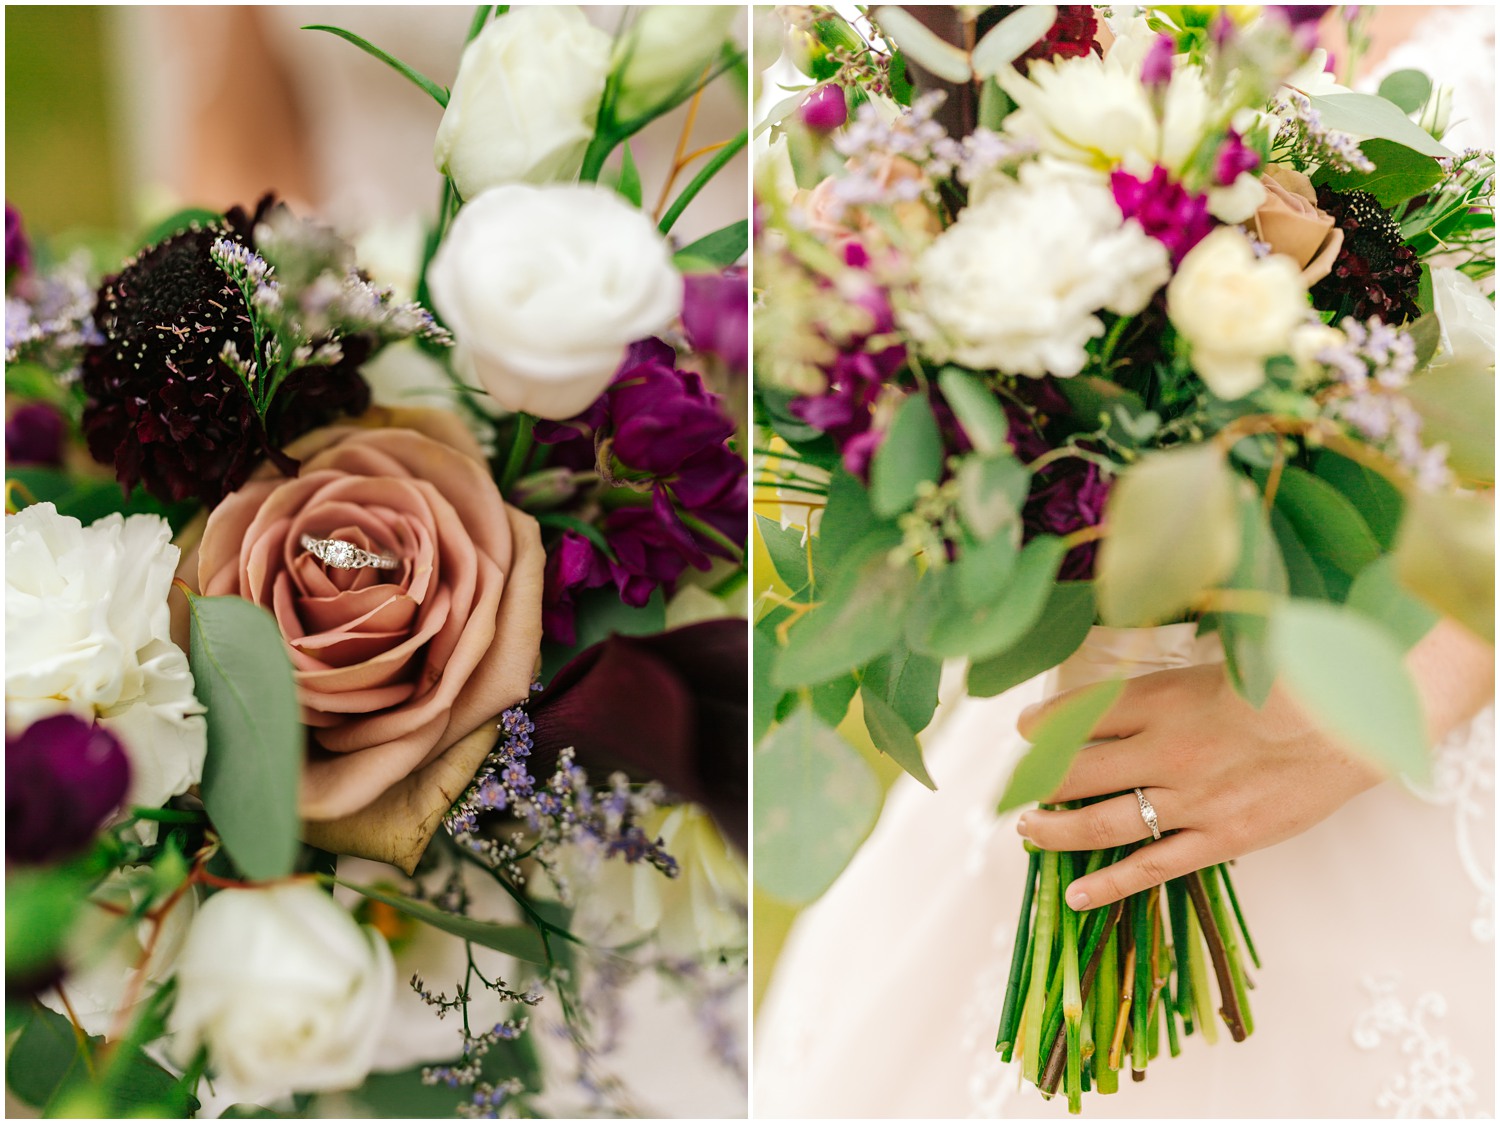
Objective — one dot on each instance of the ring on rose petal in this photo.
(1148, 813)
(343, 555)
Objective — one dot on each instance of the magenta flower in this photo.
(1156, 69)
(716, 315)
(17, 248)
(64, 778)
(824, 110)
(34, 435)
(1167, 211)
(1233, 159)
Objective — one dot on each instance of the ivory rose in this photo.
(1290, 222)
(394, 668)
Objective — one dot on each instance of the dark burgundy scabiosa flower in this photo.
(1376, 273)
(34, 435)
(716, 316)
(658, 439)
(1071, 36)
(17, 248)
(64, 777)
(1166, 210)
(162, 406)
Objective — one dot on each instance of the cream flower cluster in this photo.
(1016, 283)
(87, 630)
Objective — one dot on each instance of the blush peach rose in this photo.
(1292, 224)
(400, 672)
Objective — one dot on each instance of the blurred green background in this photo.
(62, 167)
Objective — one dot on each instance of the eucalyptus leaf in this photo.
(910, 455)
(763, 696)
(1373, 496)
(256, 742)
(1304, 578)
(908, 681)
(1367, 115)
(524, 942)
(923, 46)
(1327, 523)
(1059, 737)
(861, 619)
(1012, 37)
(1260, 568)
(984, 569)
(941, 625)
(1173, 532)
(789, 554)
(41, 904)
(815, 801)
(1399, 173)
(894, 738)
(1445, 555)
(1348, 673)
(1057, 633)
(831, 699)
(1377, 593)
(1407, 89)
(991, 493)
(976, 408)
(847, 519)
(1457, 404)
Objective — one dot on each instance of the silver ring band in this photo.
(343, 555)
(1148, 814)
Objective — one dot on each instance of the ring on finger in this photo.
(1148, 814)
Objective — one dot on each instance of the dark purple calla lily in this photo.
(669, 707)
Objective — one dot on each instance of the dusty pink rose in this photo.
(1291, 223)
(394, 667)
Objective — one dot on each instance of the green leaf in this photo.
(763, 697)
(983, 570)
(1012, 37)
(815, 801)
(1259, 568)
(901, 88)
(37, 485)
(46, 1070)
(1373, 496)
(1097, 402)
(910, 455)
(1426, 333)
(907, 681)
(1058, 632)
(861, 619)
(1058, 738)
(1173, 533)
(787, 550)
(976, 408)
(847, 520)
(941, 625)
(1366, 115)
(922, 46)
(1377, 593)
(628, 183)
(1348, 674)
(1457, 404)
(176, 222)
(1408, 89)
(722, 248)
(434, 91)
(991, 493)
(40, 905)
(831, 699)
(1327, 523)
(1445, 554)
(893, 737)
(521, 941)
(1304, 577)
(43, 1058)
(1400, 174)
(251, 775)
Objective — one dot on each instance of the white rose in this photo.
(1239, 201)
(700, 913)
(1235, 310)
(1310, 339)
(87, 630)
(1466, 319)
(101, 956)
(668, 49)
(545, 287)
(284, 990)
(525, 100)
(1015, 284)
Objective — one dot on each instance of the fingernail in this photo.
(1022, 826)
(1077, 899)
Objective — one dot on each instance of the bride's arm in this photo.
(1226, 779)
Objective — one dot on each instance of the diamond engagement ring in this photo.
(343, 555)
(1148, 813)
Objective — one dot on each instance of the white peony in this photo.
(284, 990)
(700, 913)
(102, 957)
(1015, 284)
(668, 49)
(545, 287)
(87, 630)
(523, 106)
(1466, 319)
(1235, 310)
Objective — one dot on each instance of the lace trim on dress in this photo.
(1437, 1080)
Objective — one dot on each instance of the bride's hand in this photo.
(1225, 779)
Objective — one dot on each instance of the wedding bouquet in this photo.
(1050, 335)
(263, 628)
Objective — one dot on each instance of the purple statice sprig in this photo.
(49, 318)
(870, 144)
(1373, 365)
(1303, 139)
(565, 809)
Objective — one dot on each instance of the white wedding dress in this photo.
(1375, 929)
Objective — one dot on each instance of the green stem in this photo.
(598, 152)
(1106, 1008)
(481, 17)
(1072, 1007)
(698, 182)
(1140, 916)
(167, 815)
(520, 447)
(1231, 946)
(1239, 915)
(1203, 1012)
(1182, 990)
(1009, 1011)
(1041, 963)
